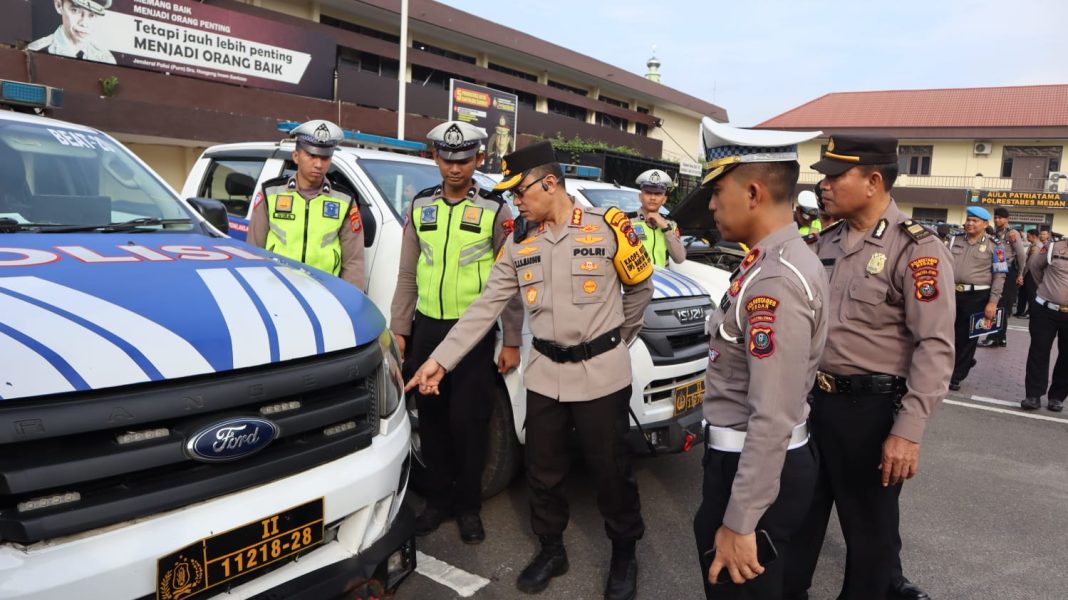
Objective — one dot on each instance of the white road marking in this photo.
(1006, 412)
(1018, 328)
(995, 401)
(462, 582)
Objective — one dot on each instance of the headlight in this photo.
(389, 383)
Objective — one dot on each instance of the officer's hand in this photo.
(399, 339)
(508, 360)
(901, 460)
(990, 311)
(655, 220)
(737, 553)
(1019, 280)
(428, 377)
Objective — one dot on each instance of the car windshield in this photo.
(51, 175)
(399, 182)
(623, 199)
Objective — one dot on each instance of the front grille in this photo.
(67, 444)
(670, 339)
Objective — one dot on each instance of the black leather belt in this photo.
(584, 351)
(829, 383)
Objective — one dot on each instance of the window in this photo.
(610, 121)
(382, 35)
(567, 110)
(443, 52)
(930, 216)
(512, 72)
(642, 128)
(232, 182)
(914, 160)
(528, 100)
(426, 76)
(568, 88)
(370, 63)
(399, 182)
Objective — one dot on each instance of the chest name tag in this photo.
(332, 210)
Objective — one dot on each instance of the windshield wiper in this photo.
(140, 224)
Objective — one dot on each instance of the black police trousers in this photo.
(848, 431)
(454, 426)
(784, 517)
(600, 426)
(1007, 303)
(1027, 294)
(1045, 325)
(968, 303)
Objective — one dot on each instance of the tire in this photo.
(504, 455)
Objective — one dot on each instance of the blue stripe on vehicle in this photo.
(658, 275)
(54, 359)
(138, 358)
(689, 287)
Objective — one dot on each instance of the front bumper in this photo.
(678, 434)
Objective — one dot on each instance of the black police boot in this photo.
(903, 588)
(429, 520)
(471, 531)
(954, 385)
(551, 561)
(1031, 403)
(1055, 405)
(622, 573)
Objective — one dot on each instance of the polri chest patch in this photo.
(428, 215)
(331, 210)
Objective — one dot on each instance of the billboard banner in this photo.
(181, 37)
(490, 109)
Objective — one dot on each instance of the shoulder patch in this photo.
(916, 231)
(430, 191)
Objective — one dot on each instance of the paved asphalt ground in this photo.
(986, 518)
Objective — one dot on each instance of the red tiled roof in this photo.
(1023, 106)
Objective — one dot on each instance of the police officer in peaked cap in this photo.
(584, 278)
(305, 216)
(452, 231)
(1049, 320)
(884, 369)
(660, 235)
(75, 36)
(767, 336)
(1016, 258)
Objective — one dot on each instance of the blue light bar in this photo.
(30, 94)
(581, 171)
(365, 139)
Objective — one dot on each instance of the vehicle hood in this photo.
(669, 284)
(93, 311)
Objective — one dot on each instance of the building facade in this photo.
(168, 114)
(1001, 146)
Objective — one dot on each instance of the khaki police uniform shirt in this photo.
(973, 262)
(1013, 243)
(406, 296)
(570, 289)
(767, 337)
(351, 234)
(1050, 271)
(892, 309)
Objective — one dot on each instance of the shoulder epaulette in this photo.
(811, 238)
(490, 194)
(832, 226)
(427, 192)
(916, 231)
(632, 214)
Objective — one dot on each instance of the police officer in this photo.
(451, 234)
(885, 367)
(73, 37)
(979, 268)
(1049, 320)
(1027, 291)
(1016, 257)
(568, 268)
(808, 213)
(305, 217)
(660, 236)
(766, 340)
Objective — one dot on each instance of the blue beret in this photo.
(979, 212)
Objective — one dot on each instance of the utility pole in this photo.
(402, 71)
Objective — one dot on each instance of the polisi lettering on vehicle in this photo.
(27, 257)
(589, 252)
(232, 439)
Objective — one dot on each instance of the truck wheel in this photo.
(504, 455)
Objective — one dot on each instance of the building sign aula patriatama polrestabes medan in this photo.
(1021, 199)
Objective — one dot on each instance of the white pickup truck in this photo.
(668, 360)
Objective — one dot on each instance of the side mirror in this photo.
(213, 211)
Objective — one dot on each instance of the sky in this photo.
(760, 58)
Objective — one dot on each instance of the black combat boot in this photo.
(551, 561)
(622, 581)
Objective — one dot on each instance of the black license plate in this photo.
(213, 560)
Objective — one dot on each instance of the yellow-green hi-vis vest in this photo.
(815, 227)
(307, 230)
(654, 240)
(455, 251)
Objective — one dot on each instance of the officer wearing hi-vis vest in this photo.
(305, 217)
(1049, 321)
(979, 269)
(660, 236)
(766, 340)
(451, 233)
(567, 266)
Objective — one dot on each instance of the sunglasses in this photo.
(519, 191)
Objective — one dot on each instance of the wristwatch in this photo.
(666, 228)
